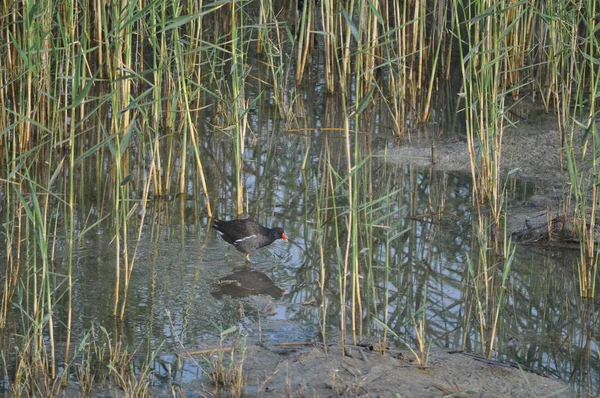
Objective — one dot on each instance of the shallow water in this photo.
(177, 298)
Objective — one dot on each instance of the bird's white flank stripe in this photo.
(237, 242)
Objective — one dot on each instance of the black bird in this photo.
(247, 235)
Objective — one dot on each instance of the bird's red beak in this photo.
(284, 236)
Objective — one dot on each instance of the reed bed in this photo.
(116, 96)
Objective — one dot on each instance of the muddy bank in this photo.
(530, 149)
(298, 371)
(530, 152)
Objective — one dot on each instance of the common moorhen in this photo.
(247, 235)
